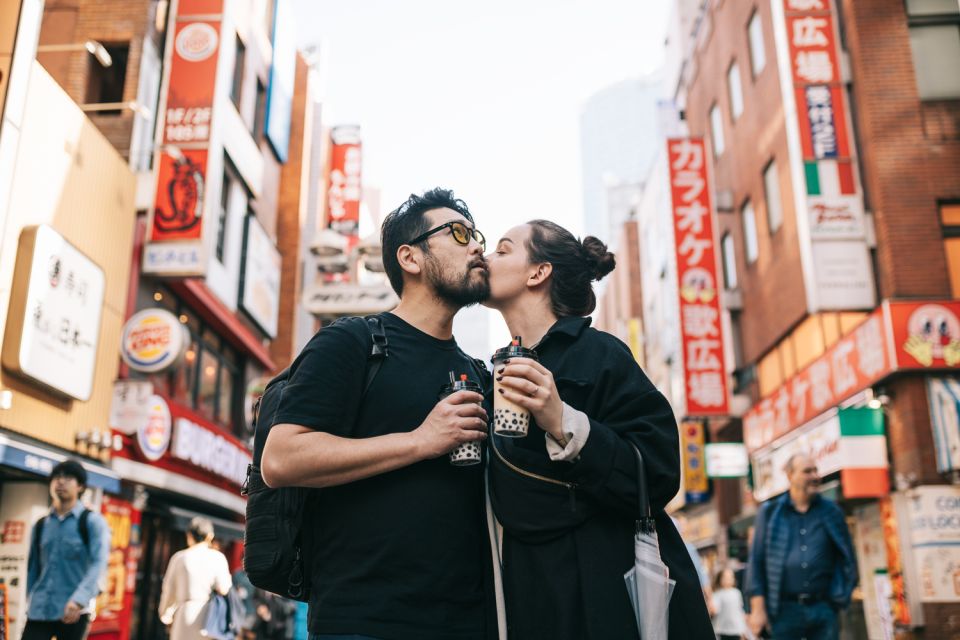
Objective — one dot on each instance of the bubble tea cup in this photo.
(467, 453)
(509, 419)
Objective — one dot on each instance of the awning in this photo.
(151, 476)
(222, 529)
(39, 460)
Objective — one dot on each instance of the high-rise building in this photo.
(618, 137)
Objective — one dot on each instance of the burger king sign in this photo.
(153, 339)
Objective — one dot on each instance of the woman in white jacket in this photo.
(192, 575)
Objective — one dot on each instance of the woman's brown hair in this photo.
(575, 264)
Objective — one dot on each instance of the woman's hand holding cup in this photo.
(529, 384)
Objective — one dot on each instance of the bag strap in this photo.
(645, 522)
(378, 350)
(478, 365)
(35, 541)
(84, 528)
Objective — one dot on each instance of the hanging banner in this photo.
(843, 275)
(695, 483)
(700, 327)
(181, 161)
(115, 602)
(344, 188)
(898, 336)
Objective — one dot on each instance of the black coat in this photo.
(568, 543)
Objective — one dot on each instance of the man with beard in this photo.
(398, 545)
(802, 566)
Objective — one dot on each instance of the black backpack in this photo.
(273, 555)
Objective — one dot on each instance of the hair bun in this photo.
(601, 261)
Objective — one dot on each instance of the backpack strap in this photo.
(479, 368)
(35, 541)
(84, 528)
(378, 349)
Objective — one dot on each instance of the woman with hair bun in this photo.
(567, 499)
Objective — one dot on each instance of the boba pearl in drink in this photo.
(469, 452)
(509, 419)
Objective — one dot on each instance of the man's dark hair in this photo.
(71, 469)
(200, 529)
(407, 221)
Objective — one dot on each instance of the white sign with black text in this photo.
(56, 304)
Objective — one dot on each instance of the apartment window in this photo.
(950, 219)
(105, 84)
(225, 191)
(716, 130)
(729, 261)
(771, 193)
(735, 91)
(758, 57)
(750, 247)
(935, 42)
(236, 89)
(260, 110)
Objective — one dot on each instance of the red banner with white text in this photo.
(700, 326)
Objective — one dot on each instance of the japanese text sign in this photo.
(188, 111)
(816, 79)
(700, 328)
(344, 187)
(896, 336)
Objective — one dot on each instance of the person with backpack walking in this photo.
(193, 575)
(69, 549)
(398, 541)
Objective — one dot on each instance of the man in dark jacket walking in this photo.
(802, 564)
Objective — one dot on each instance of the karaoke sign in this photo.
(700, 328)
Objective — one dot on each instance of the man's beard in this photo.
(458, 290)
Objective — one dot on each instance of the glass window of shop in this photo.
(207, 378)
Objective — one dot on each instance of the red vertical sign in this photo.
(115, 602)
(182, 164)
(700, 328)
(344, 189)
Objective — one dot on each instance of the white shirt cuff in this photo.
(576, 430)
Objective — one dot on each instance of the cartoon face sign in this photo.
(697, 285)
(936, 326)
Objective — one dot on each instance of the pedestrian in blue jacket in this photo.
(69, 549)
(802, 564)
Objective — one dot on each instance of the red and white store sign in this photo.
(700, 327)
(182, 158)
(344, 190)
(193, 447)
(896, 336)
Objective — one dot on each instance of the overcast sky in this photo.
(482, 97)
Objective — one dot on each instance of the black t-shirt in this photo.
(401, 555)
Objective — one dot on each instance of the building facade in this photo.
(159, 148)
(831, 139)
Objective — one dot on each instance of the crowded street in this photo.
(437, 320)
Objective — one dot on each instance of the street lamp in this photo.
(92, 47)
